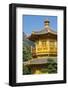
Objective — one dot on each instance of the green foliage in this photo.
(52, 66)
(27, 55)
(26, 70)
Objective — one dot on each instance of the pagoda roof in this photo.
(45, 31)
(39, 61)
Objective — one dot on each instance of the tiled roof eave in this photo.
(37, 62)
(45, 33)
(42, 34)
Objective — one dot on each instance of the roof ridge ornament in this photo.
(46, 23)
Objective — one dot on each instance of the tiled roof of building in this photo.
(39, 61)
(45, 31)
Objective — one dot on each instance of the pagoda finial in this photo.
(46, 23)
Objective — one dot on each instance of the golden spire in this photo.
(46, 23)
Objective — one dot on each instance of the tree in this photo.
(26, 70)
(52, 66)
(27, 55)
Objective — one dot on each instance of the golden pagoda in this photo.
(45, 47)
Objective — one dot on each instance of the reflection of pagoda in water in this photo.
(45, 47)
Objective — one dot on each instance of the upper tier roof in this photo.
(45, 31)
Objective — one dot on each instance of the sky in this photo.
(36, 23)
